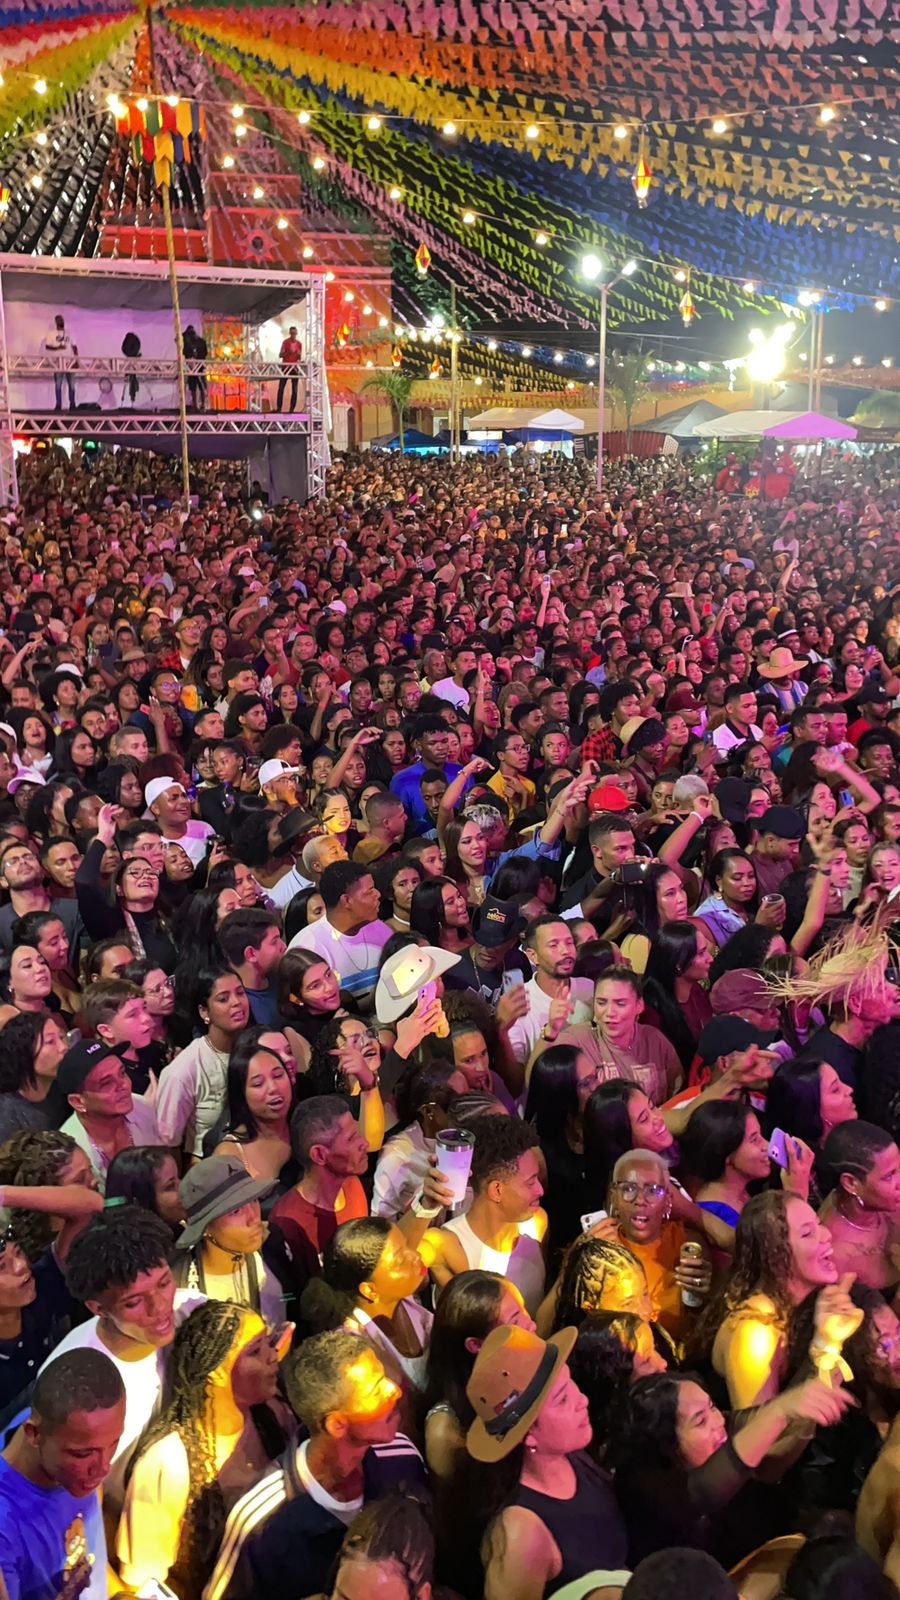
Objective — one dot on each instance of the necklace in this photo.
(860, 1227)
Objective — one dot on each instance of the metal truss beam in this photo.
(108, 424)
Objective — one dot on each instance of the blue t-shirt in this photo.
(51, 1545)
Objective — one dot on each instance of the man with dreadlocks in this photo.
(219, 1429)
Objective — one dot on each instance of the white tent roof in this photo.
(503, 417)
(760, 424)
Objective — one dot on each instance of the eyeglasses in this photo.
(142, 876)
(356, 1038)
(629, 1192)
(160, 988)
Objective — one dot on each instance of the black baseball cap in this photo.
(723, 1035)
(81, 1059)
(733, 796)
(782, 821)
(496, 921)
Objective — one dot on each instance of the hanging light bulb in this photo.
(141, 105)
(373, 124)
(542, 238)
(492, 344)
(308, 252)
(349, 296)
(881, 305)
(749, 287)
(40, 138)
(37, 181)
(827, 114)
(237, 111)
(303, 117)
(620, 131)
(318, 163)
(449, 130)
(591, 361)
(719, 125)
(329, 276)
(468, 218)
(680, 275)
(281, 224)
(227, 161)
(479, 382)
(40, 86)
(240, 131)
(557, 356)
(382, 322)
(395, 194)
(527, 351)
(532, 131)
(857, 361)
(259, 193)
(172, 100)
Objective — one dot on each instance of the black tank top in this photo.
(588, 1529)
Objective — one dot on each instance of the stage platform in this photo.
(101, 300)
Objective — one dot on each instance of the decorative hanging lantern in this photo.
(686, 307)
(435, 369)
(397, 356)
(4, 200)
(641, 181)
(640, 178)
(423, 260)
(341, 335)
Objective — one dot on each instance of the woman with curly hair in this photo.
(782, 1254)
(47, 1180)
(682, 1479)
(219, 1428)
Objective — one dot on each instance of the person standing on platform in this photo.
(60, 344)
(289, 355)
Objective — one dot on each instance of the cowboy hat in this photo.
(781, 663)
(510, 1381)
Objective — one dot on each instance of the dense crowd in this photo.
(449, 1033)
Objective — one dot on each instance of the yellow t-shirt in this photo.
(498, 784)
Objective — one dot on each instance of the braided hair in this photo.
(34, 1157)
(201, 1344)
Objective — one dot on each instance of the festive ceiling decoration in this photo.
(737, 150)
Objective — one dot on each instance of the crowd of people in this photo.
(449, 1034)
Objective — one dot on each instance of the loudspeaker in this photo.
(288, 469)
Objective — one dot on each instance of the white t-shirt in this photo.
(450, 691)
(194, 840)
(724, 738)
(354, 956)
(523, 1035)
(143, 1387)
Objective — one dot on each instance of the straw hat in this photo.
(781, 663)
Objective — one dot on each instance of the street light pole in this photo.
(601, 385)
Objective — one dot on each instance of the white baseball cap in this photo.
(270, 770)
(158, 786)
(403, 975)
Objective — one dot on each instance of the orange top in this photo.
(659, 1261)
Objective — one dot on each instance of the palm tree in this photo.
(628, 380)
(395, 388)
(880, 408)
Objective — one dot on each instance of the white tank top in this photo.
(523, 1265)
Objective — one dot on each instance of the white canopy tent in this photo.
(800, 426)
(506, 418)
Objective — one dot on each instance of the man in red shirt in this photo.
(290, 353)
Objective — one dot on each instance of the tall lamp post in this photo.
(593, 268)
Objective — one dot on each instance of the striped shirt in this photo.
(283, 1535)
